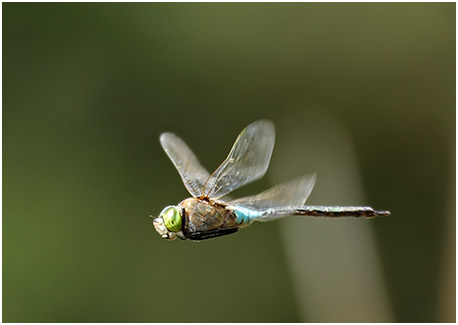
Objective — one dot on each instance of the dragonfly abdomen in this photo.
(269, 214)
(339, 211)
(245, 216)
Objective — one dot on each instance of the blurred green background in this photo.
(88, 88)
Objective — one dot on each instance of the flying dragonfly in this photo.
(207, 215)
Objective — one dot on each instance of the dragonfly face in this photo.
(205, 215)
(168, 224)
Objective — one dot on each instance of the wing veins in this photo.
(247, 161)
(192, 173)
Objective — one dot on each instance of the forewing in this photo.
(191, 171)
(247, 161)
(289, 194)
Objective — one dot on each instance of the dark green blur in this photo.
(88, 88)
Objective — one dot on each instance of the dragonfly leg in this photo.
(201, 235)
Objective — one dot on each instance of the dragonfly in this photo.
(208, 214)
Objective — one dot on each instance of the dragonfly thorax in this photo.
(204, 218)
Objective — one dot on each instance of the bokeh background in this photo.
(361, 93)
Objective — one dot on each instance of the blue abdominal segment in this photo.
(245, 215)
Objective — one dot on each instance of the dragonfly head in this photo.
(168, 224)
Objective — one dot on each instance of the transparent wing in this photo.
(191, 171)
(247, 161)
(289, 194)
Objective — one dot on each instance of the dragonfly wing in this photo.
(278, 201)
(290, 193)
(247, 161)
(191, 171)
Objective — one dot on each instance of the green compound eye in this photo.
(172, 218)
